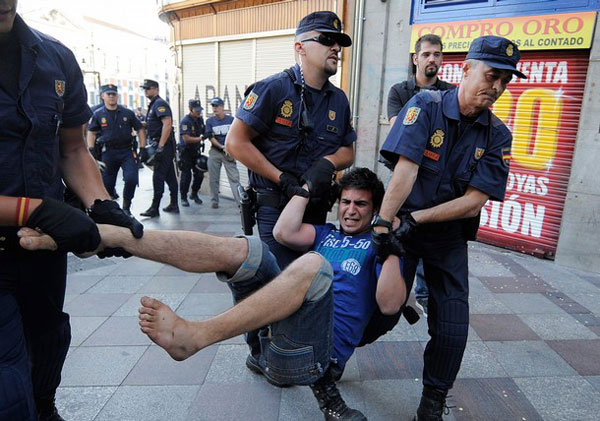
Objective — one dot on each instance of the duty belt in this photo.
(268, 198)
(121, 146)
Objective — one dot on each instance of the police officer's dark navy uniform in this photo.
(274, 109)
(164, 169)
(190, 151)
(113, 128)
(401, 92)
(453, 153)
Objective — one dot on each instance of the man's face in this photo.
(194, 113)
(110, 98)
(355, 211)
(151, 92)
(483, 84)
(8, 11)
(218, 110)
(322, 57)
(429, 59)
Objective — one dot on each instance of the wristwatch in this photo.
(380, 222)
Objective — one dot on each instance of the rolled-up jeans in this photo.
(295, 350)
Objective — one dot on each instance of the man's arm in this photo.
(191, 139)
(91, 138)
(391, 289)
(215, 143)
(239, 145)
(289, 229)
(400, 186)
(466, 206)
(342, 158)
(167, 125)
(142, 135)
(79, 170)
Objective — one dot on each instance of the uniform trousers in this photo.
(164, 171)
(215, 160)
(120, 158)
(188, 169)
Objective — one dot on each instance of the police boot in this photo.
(172, 208)
(127, 207)
(195, 198)
(152, 211)
(47, 410)
(432, 406)
(184, 202)
(331, 402)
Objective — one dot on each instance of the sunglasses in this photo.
(323, 40)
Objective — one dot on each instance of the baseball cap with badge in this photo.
(149, 83)
(327, 23)
(216, 101)
(109, 89)
(195, 104)
(496, 52)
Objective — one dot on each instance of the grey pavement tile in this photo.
(592, 279)
(529, 303)
(566, 303)
(96, 304)
(69, 298)
(205, 304)
(562, 278)
(137, 266)
(118, 331)
(392, 399)
(507, 284)
(217, 227)
(589, 301)
(170, 284)
(149, 403)
(491, 399)
(401, 360)
(229, 366)
(594, 381)
(487, 304)
(259, 401)
(119, 284)
(78, 284)
(479, 362)
(82, 403)
(584, 356)
(557, 326)
(156, 367)
(351, 371)
(209, 283)
(482, 264)
(82, 327)
(501, 327)
(91, 266)
(131, 306)
(99, 366)
(529, 359)
(562, 398)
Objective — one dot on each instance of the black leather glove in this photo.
(144, 155)
(319, 178)
(386, 243)
(109, 212)
(406, 228)
(71, 229)
(290, 186)
(158, 153)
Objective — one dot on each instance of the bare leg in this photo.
(275, 301)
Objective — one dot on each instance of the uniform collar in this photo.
(25, 35)
(153, 100)
(452, 110)
(328, 87)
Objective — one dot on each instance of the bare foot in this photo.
(166, 329)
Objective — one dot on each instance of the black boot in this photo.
(331, 402)
(195, 198)
(184, 202)
(172, 208)
(47, 410)
(433, 403)
(127, 207)
(152, 211)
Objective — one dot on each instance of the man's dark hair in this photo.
(430, 38)
(363, 179)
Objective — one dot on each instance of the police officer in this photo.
(111, 127)
(159, 123)
(294, 127)
(451, 155)
(191, 146)
(216, 131)
(427, 59)
(44, 110)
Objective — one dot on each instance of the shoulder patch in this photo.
(184, 126)
(250, 101)
(287, 109)
(411, 116)
(506, 156)
(161, 109)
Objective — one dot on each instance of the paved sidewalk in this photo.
(533, 350)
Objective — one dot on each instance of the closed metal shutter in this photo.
(543, 114)
(199, 74)
(273, 55)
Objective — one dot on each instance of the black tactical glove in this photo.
(144, 155)
(109, 212)
(319, 178)
(158, 153)
(386, 243)
(406, 228)
(71, 229)
(290, 186)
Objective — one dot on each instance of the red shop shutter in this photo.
(543, 113)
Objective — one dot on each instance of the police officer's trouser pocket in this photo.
(288, 362)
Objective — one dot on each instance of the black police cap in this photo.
(195, 104)
(496, 52)
(109, 89)
(149, 83)
(327, 23)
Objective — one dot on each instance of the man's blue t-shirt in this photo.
(355, 274)
(218, 128)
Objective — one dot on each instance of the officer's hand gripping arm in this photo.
(319, 179)
(289, 229)
(109, 212)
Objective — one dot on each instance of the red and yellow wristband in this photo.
(22, 211)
